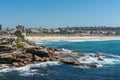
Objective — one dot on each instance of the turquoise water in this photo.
(109, 47)
(57, 71)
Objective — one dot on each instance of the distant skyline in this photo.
(59, 13)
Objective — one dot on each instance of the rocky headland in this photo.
(17, 53)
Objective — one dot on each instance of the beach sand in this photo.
(42, 38)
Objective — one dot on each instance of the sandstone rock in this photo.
(57, 52)
(21, 63)
(15, 64)
(52, 50)
(43, 59)
(25, 62)
(70, 62)
(47, 59)
(37, 58)
(55, 57)
(28, 59)
(77, 63)
(67, 61)
(74, 55)
(51, 59)
(39, 52)
(0, 65)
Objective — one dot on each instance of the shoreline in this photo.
(78, 38)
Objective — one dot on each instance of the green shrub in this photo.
(20, 45)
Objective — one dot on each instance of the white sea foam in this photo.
(114, 56)
(67, 50)
(88, 59)
(26, 70)
(82, 40)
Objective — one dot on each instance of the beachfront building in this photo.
(80, 31)
(34, 30)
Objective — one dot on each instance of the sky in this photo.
(59, 13)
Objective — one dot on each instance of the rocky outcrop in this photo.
(39, 52)
(32, 53)
(6, 49)
(76, 63)
(28, 55)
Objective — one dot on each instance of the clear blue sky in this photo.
(59, 13)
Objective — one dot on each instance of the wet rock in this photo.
(77, 63)
(67, 61)
(100, 58)
(92, 65)
(70, 62)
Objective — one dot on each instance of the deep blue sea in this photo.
(58, 71)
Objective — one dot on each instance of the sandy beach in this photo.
(42, 38)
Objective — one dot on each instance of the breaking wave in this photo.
(27, 70)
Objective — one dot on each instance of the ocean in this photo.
(110, 69)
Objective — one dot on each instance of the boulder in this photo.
(92, 65)
(100, 58)
(25, 62)
(37, 58)
(52, 50)
(46, 59)
(55, 57)
(39, 52)
(77, 63)
(52, 59)
(0, 65)
(15, 64)
(21, 63)
(67, 61)
(28, 59)
(43, 59)
(70, 62)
